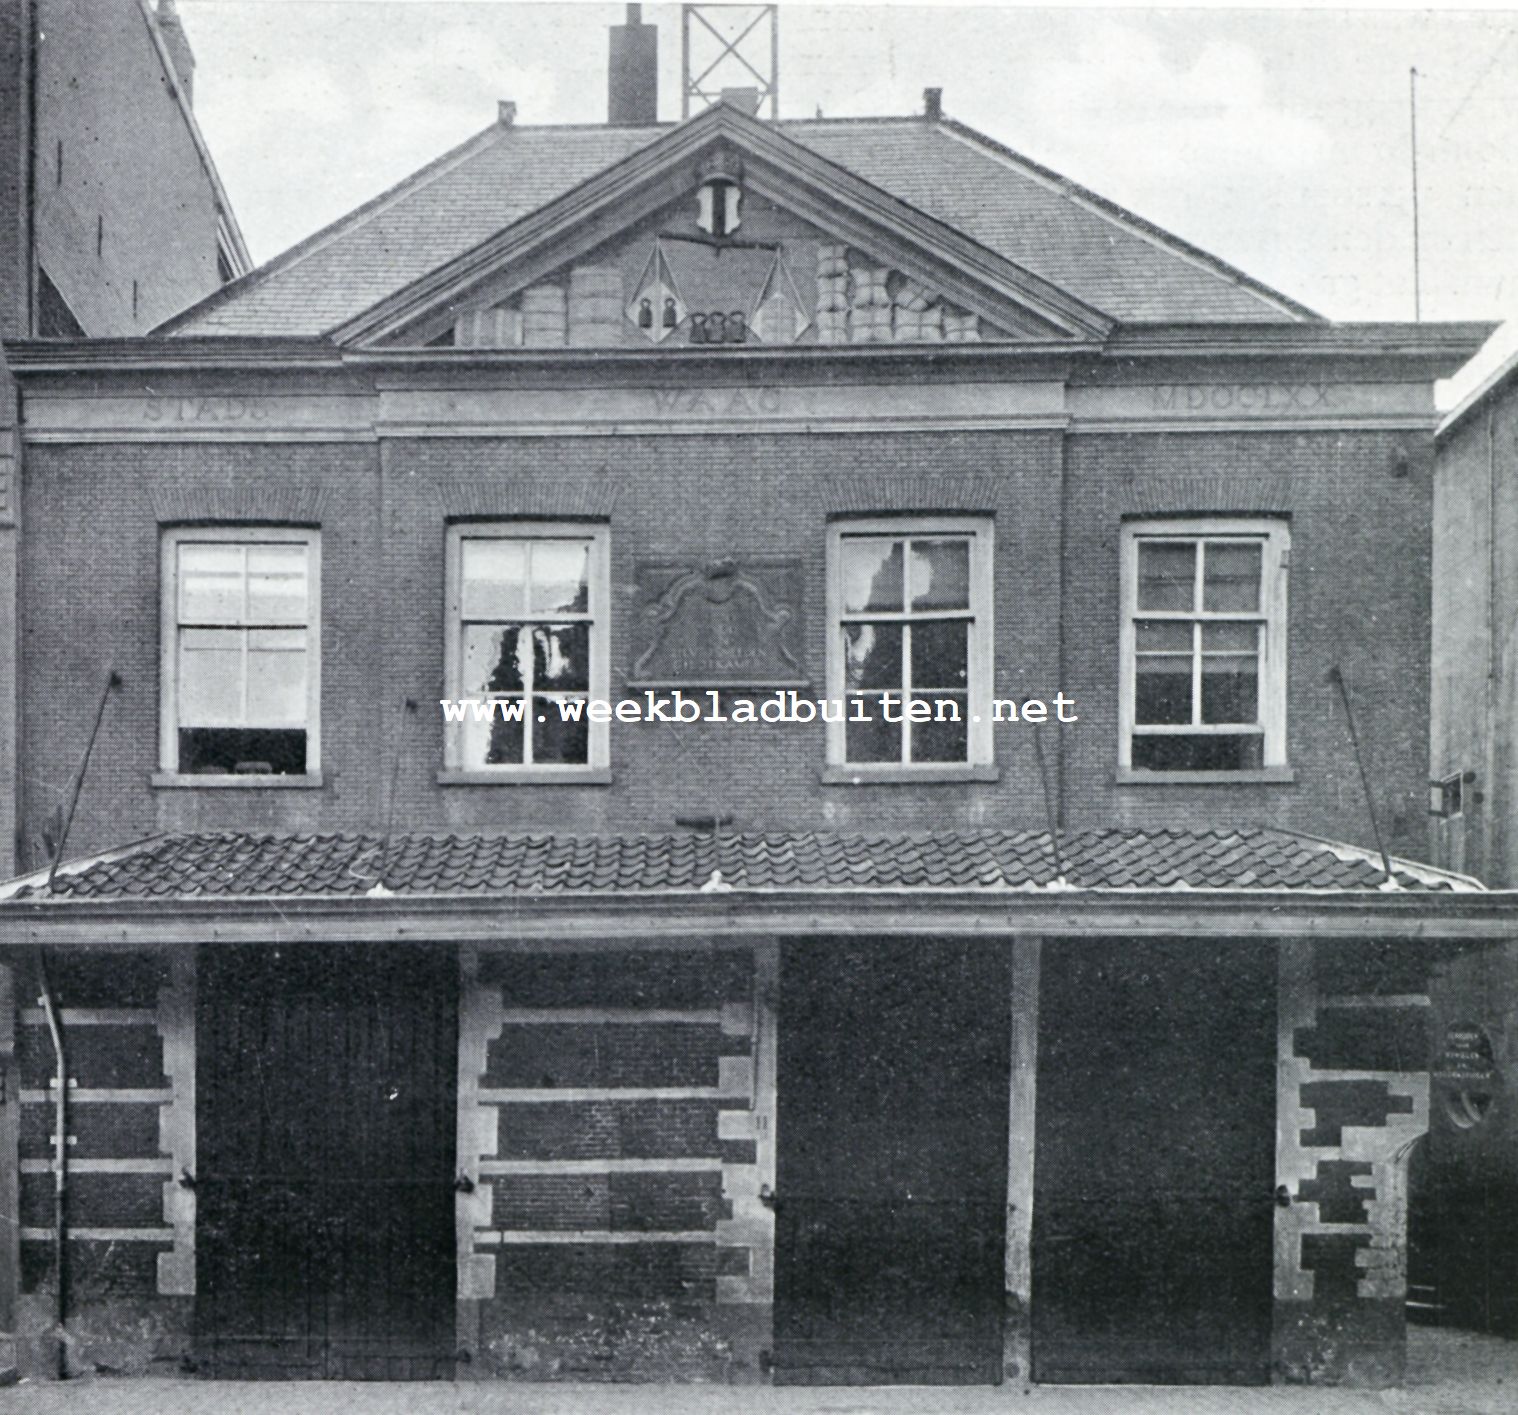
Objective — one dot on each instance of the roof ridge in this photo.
(1149, 230)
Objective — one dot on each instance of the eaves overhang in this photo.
(1433, 350)
(1427, 349)
(1457, 920)
(29, 359)
(148, 352)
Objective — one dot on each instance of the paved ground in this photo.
(1448, 1374)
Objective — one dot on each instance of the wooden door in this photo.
(1154, 1162)
(891, 1181)
(326, 1100)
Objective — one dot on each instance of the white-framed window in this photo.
(529, 607)
(909, 643)
(1203, 685)
(240, 652)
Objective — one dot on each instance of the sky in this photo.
(1277, 139)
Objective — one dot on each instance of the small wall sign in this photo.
(726, 623)
(1467, 1056)
(1466, 1078)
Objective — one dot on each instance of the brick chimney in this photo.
(178, 46)
(745, 100)
(633, 75)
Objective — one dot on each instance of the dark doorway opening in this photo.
(1153, 1217)
(891, 1183)
(326, 1133)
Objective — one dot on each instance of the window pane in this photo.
(940, 574)
(874, 739)
(942, 738)
(494, 578)
(1166, 574)
(507, 742)
(242, 750)
(210, 584)
(556, 742)
(871, 575)
(1162, 636)
(495, 659)
(941, 654)
(210, 678)
(560, 577)
(276, 677)
(561, 656)
(276, 584)
(1230, 672)
(872, 656)
(1162, 688)
(1231, 575)
(496, 741)
(1211, 752)
(1230, 638)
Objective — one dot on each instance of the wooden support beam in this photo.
(10, 1176)
(1023, 1104)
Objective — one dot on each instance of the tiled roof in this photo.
(1092, 249)
(234, 865)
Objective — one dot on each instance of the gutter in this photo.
(1485, 392)
(1454, 916)
(1431, 343)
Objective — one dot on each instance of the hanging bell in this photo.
(737, 329)
(645, 314)
(671, 318)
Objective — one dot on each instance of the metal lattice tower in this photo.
(724, 47)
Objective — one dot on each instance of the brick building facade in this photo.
(546, 1043)
(1465, 1236)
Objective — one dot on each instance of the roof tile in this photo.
(1092, 249)
(232, 865)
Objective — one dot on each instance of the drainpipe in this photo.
(1491, 831)
(60, 1161)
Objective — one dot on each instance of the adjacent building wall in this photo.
(1467, 1179)
(126, 211)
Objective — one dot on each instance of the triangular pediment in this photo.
(725, 232)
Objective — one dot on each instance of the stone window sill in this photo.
(173, 780)
(569, 776)
(1257, 776)
(941, 773)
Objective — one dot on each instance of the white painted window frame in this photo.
(981, 533)
(598, 534)
(1274, 537)
(171, 538)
